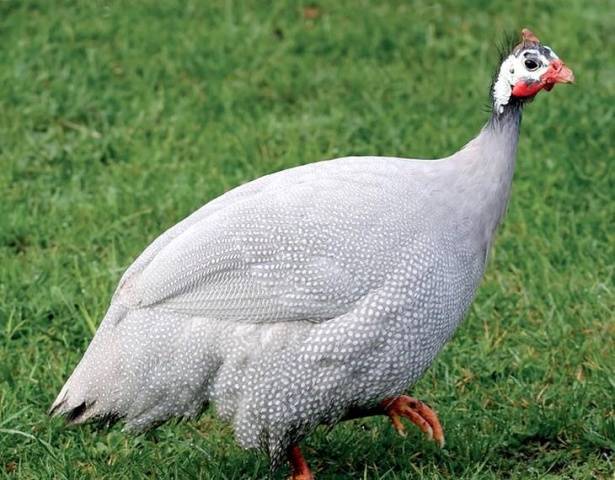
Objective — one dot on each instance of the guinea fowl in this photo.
(314, 295)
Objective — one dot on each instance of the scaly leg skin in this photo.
(415, 411)
(299, 466)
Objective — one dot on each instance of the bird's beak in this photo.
(557, 72)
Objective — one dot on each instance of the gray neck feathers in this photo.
(499, 139)
(508, 120)
(484, 172)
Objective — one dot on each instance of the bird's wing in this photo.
(302, 247)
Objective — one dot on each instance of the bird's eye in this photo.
(531, 64)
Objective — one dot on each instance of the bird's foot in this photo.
(418, 413)
(300, 468)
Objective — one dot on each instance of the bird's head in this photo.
(529, 68)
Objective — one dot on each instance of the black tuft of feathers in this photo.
(76, 412)
(507, 44)
(106, 421)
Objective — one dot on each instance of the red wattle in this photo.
(522, 89)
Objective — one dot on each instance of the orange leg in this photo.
(415, 411)
(299, 466)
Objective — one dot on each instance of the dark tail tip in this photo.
(73, 414)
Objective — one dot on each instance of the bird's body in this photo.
(301, 297)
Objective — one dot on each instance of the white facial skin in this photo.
(528, 64)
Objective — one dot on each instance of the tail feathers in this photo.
(87, 394)
(74, 408)
(77, 409)
(82, 413)
(127, 374)
(72, 414)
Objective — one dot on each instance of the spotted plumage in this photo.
(302, 297)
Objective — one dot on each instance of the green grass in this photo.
(117, 120)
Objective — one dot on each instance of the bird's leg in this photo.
(300, 469)
(415, 411)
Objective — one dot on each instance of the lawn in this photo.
(119, 119)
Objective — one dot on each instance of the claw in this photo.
(397, 425)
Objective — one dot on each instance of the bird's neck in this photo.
(490, 161)
(501, 135)
(505, 122)
(498, 143)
